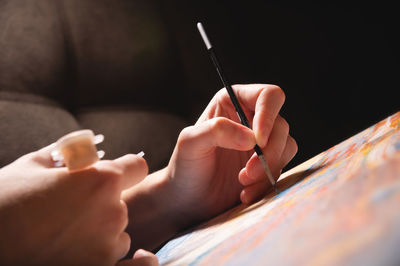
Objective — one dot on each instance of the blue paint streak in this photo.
(164, 253)
(397, 145)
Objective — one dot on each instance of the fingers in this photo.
(124, 216)
(289, 152)
(265, 101)
(144, 258)
(253, 178)
(254, 170)
(117, 220)
(134, 167)
(267, 108)
(277, 141)
(216, 132)
(249, 94)
(127, 170)
(43, 156)
(123, 245)
(254, 192)
(141, 258)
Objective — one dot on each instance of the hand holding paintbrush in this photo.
(235, 102)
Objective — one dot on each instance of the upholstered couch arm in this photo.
(67, 65)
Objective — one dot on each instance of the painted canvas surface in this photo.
(342, 207)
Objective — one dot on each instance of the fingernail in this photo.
(140, 253)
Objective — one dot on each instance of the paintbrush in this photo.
(235, 102)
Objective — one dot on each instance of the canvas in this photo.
(338, 208)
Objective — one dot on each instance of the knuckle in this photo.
(184, 136)
(117, 218)
(122, 215)
(217, 126)
(186, 132)
(220, 93)
(217, 122)
(222, 98)
(276, 92)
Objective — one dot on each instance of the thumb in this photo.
(134, 167)
(141, 258)
(216, 132)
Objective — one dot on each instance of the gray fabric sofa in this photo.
(111, 66)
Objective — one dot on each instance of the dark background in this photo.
(337, 63)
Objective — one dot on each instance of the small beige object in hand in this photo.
(77, 150)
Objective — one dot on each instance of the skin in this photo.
(53, 217)
(213, 166)
(49, 216)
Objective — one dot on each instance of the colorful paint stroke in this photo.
(340, 208)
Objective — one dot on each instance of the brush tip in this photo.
(276, 189)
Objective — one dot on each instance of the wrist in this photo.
(151, 211)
